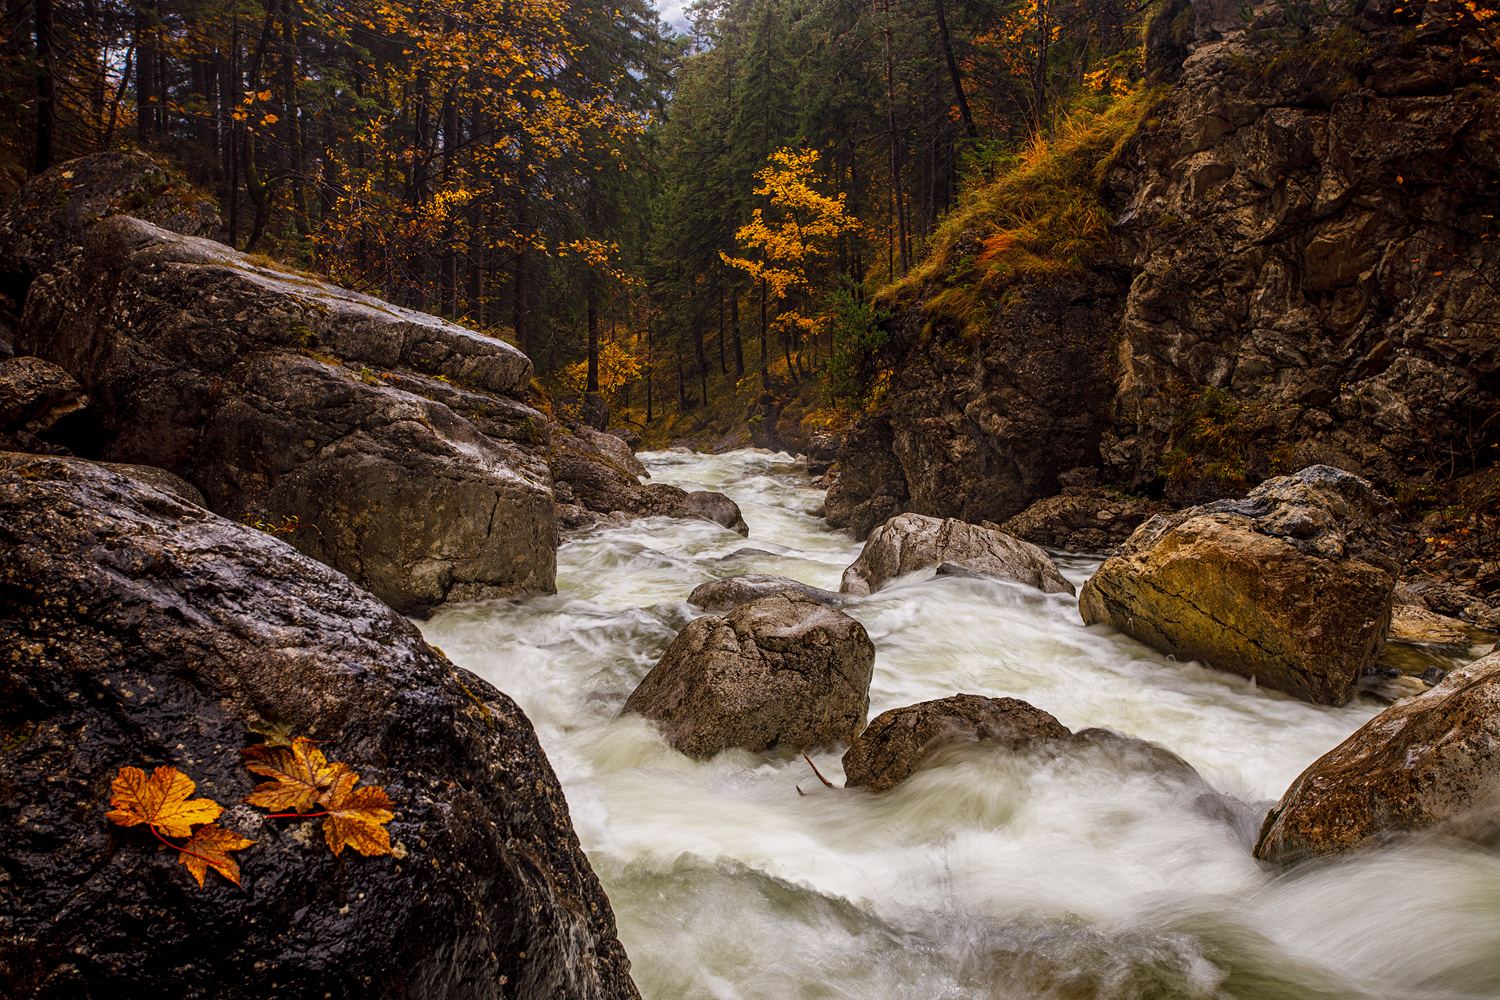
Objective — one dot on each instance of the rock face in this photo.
(34, 395)
(902, 741)
(911, 542)
(1427, 763)
(389, 438)
(137, 630)
(1301, 252)
(782, 671)
(1083, 519)
(1291, 586)
(719, 596)
(595, 474)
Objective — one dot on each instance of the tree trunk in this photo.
(145, 69)
(765, 375)
(46, 108)
(734, 329)
(953, 74)
(593, 382)
(723, 365)
(519, 287)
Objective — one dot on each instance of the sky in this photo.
(672, 11)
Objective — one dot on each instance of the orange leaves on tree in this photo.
(210, 848)
(160, 801)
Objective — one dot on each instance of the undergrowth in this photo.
(1029, 214)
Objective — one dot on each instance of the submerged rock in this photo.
(718, 596)
(780, 672)
(385, 436)
(138, 630)
(1431, 762)
(1291, 586)
(910, 542)
(902, 741)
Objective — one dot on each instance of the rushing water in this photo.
(993, 876)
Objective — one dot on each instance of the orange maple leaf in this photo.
(300, 773)
(357, 817)
(160, 801)
(209, 848)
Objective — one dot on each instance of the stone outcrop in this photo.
(911, 542)
(34, 396)
(595, 475)
(138, 630)
(780, 672)
(1291, 586)
(389, 443)
(1083, 519)
(1429, 763)
(902, 741)
(1301, 256)
(719, 596)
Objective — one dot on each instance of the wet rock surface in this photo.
(779, 672)
(34, 396)
(902, 741)
(137, 630)
(1292, 585)
(911, 542)
(1083, 519)
(719, 596)
(383, 439)
(1429, 763)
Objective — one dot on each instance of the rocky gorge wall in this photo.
(1301, 265)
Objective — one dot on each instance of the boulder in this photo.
(780, 672)
(1083, 519)
(910, 542)
(387, 436)
(137, 630)
(1419, 627)
(902, 741)
(707, 505)
(34, 395)
(629, 435)
(1291, 586)
(719, 596)
(593, 410)
(1431, 762)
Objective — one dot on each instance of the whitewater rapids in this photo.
(995, 876)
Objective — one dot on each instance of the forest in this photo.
(686, 222)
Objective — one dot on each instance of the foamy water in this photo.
(996, 875)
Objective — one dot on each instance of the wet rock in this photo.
(1083, 519)
(719, 596)
(1291, 586)
(715, 507)
(902, 741)
(911, 542)
(35, 395)
(137, 630)
(1418, 626)
(1425, 761)
(780, 672)
(593, 411)
(629, 435)
(386, 435)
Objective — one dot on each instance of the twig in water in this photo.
(815, 771)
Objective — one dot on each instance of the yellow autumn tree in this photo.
(793, 251)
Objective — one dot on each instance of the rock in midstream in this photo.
(780, 672)
(719, 596)
(1291, 586)
(910, 542)
(139, 630)
(1429, 763)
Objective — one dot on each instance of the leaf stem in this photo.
(294, 815)
(174, 847)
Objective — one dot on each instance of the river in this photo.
(994, 876)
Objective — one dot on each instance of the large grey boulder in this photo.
(902, 741)
(780, 672)
(1291, 586)
(1428, 763)
(719, 596)
(138, 630)
(910, 542)
(388, 437)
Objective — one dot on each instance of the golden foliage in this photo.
(299, 773)
(159, 801)
(209, 849)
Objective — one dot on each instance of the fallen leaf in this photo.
(299, 772)
(276, 734)
(160, 800)
(357, 817)
(209, 848)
